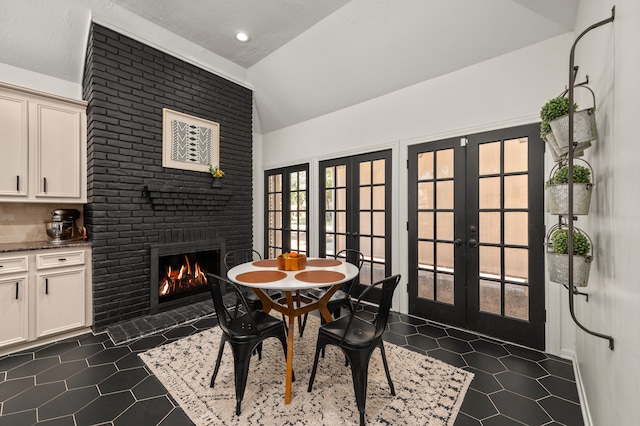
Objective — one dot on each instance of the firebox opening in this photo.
(182, 275)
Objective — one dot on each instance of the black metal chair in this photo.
(341, 297)
(237, 257)
(244, 332)
(358, 338)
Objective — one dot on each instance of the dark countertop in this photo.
(42, 245)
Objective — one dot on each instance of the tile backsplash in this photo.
(25, 222)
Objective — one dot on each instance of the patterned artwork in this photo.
(189, 143)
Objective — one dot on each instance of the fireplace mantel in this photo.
(168, 197)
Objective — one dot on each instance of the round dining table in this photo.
(264, 274)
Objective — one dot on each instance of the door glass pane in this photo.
(365, 247)
(489, 229)
(445, 226)
(516, 301)
(330, 199)
(378, 172)
(490, 298)
(489, 193)
(341, 199)
(444, 163)
(330, 177)
(516, 155)
(378, 197)
(425, 225)
(516, 192)
(425, 195)
(425, 284)
(490, 262)
(425, 254)
(444, 289)
(365, 173)
(516, 264)
(445, 256)
(341, 242)
(378, 249)
(378, 223)
(341, 176)
(444, 194)
(329, 222)
(341, 222)
(489, 158)
(365, 198)
(294, 220)
(516, 228)
(425, 166)
(365, 223)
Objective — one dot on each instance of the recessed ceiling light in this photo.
(242, 36)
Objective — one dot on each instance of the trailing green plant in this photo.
(560, 242)
(556, 107)
(581, 174)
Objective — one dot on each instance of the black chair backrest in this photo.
(218, 286)
(352, 256)
(389, 285)
(356, 258)
(237, 257)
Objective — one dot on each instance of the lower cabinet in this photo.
(14, 310)
(44, 294)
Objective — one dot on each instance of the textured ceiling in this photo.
(306, 58)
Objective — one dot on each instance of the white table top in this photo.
(289, 282)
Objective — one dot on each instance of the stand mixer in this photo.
(63, 225)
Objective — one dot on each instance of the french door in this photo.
(476, 233)
(286, 210)
(355, 211)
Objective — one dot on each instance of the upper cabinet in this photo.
(44, 147)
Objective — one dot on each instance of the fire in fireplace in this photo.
(178, 272)
(187, 277)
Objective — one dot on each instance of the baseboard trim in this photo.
(582, 395)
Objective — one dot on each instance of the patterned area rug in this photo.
(428, 391)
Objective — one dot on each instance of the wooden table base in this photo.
(295, 305)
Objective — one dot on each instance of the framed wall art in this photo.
(188, 142)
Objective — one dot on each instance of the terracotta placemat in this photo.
(323, 262)
(266, 263)
(319, 276)
(260, 276)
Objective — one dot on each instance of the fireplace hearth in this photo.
(177, 272)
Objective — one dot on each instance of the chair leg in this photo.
(304, 324)
(359, 372)
(242, 357)
(319, 346)
(223, 340)
(386, 369)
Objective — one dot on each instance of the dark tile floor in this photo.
(91, 381)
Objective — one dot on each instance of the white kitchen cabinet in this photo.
(44, 147)
(44, 295)
(14, 301)
(61, 291)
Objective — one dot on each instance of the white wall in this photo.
(610, 55)
(505, 91)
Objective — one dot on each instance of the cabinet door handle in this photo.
(46, 286)
(17, 287)
(62, 259)
(45, 184)
(18, 183)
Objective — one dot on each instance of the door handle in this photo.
(46, 286)
(458, 242)
(473, 243)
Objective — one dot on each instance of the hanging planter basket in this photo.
(558, 263)
(558, 194)
(584, 128)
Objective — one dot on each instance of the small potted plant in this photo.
(553, 109)
(217, 174)
(558, 256)
(557, 189)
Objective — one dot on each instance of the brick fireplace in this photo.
(135, 205)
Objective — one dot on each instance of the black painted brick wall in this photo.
(126, 84)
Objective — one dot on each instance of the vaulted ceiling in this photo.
(305, 58)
